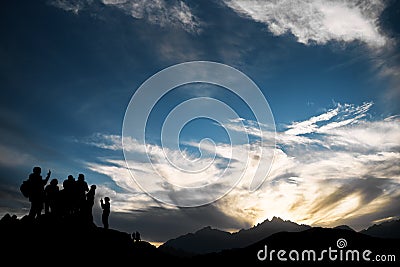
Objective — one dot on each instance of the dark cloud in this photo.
(389, 167)
(12, 201)
(367, 188)
(391, 209)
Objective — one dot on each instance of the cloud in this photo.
(160, 12)
(317, 21)
(135, 210)
(364, 190)
(11, 201)
(105, 141)
(340, 116)
(74, 6)
(388, 67)
(330, 169)
(11, 157)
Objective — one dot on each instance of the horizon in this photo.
(274, 110)
(235, 231)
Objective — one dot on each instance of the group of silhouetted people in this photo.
(74, 199)
(136, 236)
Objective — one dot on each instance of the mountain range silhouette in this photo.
(209, 240)
(48, 241)
(389, 229)
(316, 239)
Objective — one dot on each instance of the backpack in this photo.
(25, 188)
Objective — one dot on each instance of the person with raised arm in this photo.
(37, 193)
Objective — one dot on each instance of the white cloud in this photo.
(74, 6)
(346, 170)
(310, 125)
(336, 117)
(367, 136)
(114, 142)
(160, 12)
(317, 21)
(132, 197)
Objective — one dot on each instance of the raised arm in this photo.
(47, 177)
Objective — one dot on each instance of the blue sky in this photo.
(328, 69)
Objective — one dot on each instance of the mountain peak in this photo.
(208, 239)
(205, 229)
(276, 219)
(344, 227)
(388, 229)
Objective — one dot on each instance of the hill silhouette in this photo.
(344, 227)
(208, 240)
(316, 239)
(48, 240)
(390, 229)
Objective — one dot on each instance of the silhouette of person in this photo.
(69, 198)
(81, 189)
(106, 211)
(37, 194)
(51, 197)
(90, 202)
(137, 236)
(62, 204)
(133, 236)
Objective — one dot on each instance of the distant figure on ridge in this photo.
(37, 194)
(137, 236)
(106, 211)
(133, 236)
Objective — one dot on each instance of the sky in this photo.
(313, 115)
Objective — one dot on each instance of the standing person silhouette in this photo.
(37, 195)
(69, 196)
(81, 189)
(90, 202)
(106, 211)
(51, 197)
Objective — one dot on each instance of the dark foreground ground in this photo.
(52, 242)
